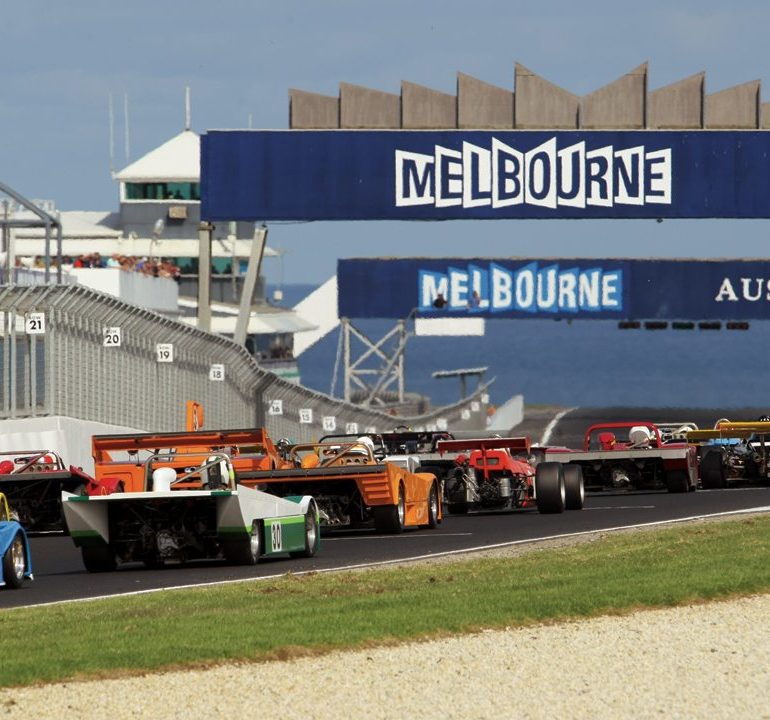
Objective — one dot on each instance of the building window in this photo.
(163, 191)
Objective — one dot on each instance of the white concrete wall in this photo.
(508, 415)
(319, 308)
(159, 294)
(69, 437)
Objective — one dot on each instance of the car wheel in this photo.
(15, 563)
(312, 533)
(712, 471)
(460, 508)
(549, 487)
(391, 518)
(99, 558)
(574, 487)
(245, 551)
(677, 481)
(433, 519)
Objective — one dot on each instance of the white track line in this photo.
(552, 425)
(511, 543)
(405, 536)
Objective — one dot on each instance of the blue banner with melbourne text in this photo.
(555, 288)
(256, 175)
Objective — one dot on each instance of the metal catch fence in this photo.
(76, 352)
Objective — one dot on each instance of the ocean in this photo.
(588, 363)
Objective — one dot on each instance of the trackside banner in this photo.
(548, 288)
(440, 175)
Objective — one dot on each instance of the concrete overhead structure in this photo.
(362, 107)
(536, 104)
(481, 106)
(423, 108)
(678, 106)
(620, 105)
(311, 111)
(735, 108)
(541, 104)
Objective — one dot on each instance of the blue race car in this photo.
(16, 564)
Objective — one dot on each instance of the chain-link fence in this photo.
(71, 351)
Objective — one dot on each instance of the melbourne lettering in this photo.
(502, 176)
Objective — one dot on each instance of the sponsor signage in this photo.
(457, 174)
(554, 288)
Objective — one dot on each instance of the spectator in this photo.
(440, 301)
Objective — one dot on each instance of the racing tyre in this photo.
(549, 487)
(677, 481)
(15, 563)
(574, 487)
(245, 551)
(312, 533)
(433, 519)
(712, 471)
(460, 508)
(99, 558)
(390, 518)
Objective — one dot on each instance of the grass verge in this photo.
(315, 613)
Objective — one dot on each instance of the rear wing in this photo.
(738, 430)
(518, 444)
(202, 439)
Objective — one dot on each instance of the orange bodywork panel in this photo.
(248, 450)
(377, 482)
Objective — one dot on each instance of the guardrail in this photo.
(76, 352)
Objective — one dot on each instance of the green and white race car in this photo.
(188, 513)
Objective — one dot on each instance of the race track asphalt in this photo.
(60, 575)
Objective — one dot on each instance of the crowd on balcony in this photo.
(156, 267)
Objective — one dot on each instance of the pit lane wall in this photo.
(74, 352)
(522, 288)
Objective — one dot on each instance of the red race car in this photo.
(500, 474)
(631, 456)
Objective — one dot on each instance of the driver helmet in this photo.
(640, 435)
(367, 442)
(763, 418)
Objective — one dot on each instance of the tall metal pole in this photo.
(345, 326)
(249, 283)
(204, 276)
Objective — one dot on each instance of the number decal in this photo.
(164, 352)
(329, 423)
(276, 407)
(275, 536)
(35, 323)
(217, 372)
(112, 337)
(306, 416)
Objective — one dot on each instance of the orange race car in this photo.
(353, 487)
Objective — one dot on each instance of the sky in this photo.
(239, 58)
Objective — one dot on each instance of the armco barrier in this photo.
(75, 352)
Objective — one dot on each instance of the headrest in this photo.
(162, 478)
(311, 460)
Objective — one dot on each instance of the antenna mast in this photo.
(112, 134)
(127, 132)
(187, 107)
